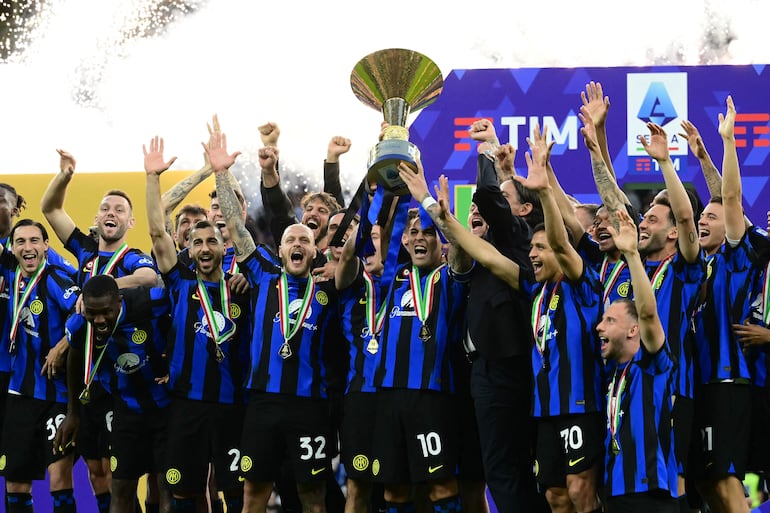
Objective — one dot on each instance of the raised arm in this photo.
(710, 171)
(657, 148)
(597, 107)
(162, 244)
(52, 203)
(338, 146)
(347, 267)
(179, 191)
(732, 191)
(612, 196)
(556, 232)
(566, 209)
(652, 334)
(457, 258)
(243, 243)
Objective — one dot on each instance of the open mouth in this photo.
(296, 257)
(221, 224)
(537, 266)
(643, 236)
(476, 223)
(420, 250)
(704, 233)
(312, 224)
(110, 224)
(603, 235)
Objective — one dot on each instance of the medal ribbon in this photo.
(89, 349)
(374, 318)
(283, 307)
(91, 373)
(19, 302)
(613, 400)
(208, 310)
(423, 303)
(766, 297)
(537, 311)
(609, 283)
(233, 266)
(660, 273)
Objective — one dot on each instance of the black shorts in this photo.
(416, 437)
(277, 426)
(682, 421)
(138, 442)
(723, 418)
(203, 433)
(568, 444)
(93, 439)
(759, 441)
(657, 501)
(27, 439)
(359, 410)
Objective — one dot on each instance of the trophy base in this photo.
(383, 164)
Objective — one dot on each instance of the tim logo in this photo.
(660, 98)
(752, 129)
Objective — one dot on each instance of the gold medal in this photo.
(373, 346)
(285, 350)
(220, 356)
(615, 446)
(424, 333)
(85, 396)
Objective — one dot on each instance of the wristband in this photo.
(427, 202)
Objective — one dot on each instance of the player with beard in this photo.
(128, 328)
(42, 296)
(288, 409)
(674, 262)
(641, 470)
(110, 254)
(208, 354)
(565, 358)
(723, 391)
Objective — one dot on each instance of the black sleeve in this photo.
(332, 183)
(280, 210)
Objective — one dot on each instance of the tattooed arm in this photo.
(710, 171)
(243, 244)
(612, 196)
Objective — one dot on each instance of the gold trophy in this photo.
(396, 82)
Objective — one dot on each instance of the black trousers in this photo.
(502, 397)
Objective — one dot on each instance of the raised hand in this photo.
(627, 238)
(727, 120)
(505, 155)
(657, 146)
(414, 180)
(216, 149)
(337, 146)
(694, 140)
(483, 130)
(442, 192)
(153, 159)
(268, 156)
(595, 103)
(588, 129)
(269, 133)
(537, 157)
(66, 162)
